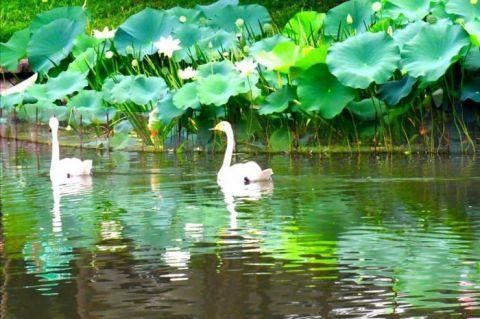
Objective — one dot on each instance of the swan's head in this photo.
(223, 126)
(53, 123)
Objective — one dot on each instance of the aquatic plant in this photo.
(365, 72)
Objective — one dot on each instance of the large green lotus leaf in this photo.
(37, 93)
(277, 101)
(267, 44)
(76, 14)
(42, 111)
(471, 90)
(89, 107)
(87, 99)
(463, 8)
(221, 41)
(368, 109)
(363, 59)
(14, 49)
(139, 89)
(224, 67)
(186, 97)
(472, 60)
(304, 27)
(83, 42)
(392, 92)
(51, 44)
(254, 16)
(141, 30)
(473, 29)
(411, 9)
(213, 9)
(432, 51)
(336, 19)
(186, 16)
(7, 102)
(312, 56)
(217, 89)
(406, 34)
(189, 36)
(318, 90)
(65, 84)
(167, 111)
(281, 140)
(283, 56)
(84, 62)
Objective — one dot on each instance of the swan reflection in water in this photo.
(235, 193)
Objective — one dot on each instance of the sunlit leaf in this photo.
(14, 49)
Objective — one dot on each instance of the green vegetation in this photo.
(364, 73)
(17, 14)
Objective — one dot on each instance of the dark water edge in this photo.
(154, 237)
(26, 132)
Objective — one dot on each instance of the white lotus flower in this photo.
(105, 34)
(246, 67)
(239, 22)
(167, 46)
(376, 6)
(187, 73)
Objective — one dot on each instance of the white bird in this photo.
(63, 169)
(242, 173)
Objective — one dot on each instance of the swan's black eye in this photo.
(50, 130)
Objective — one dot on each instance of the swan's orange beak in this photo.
(216, 128)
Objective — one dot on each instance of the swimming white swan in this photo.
(63, 169)
(242, 173)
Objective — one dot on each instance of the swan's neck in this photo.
(227, 160)
(55, 150)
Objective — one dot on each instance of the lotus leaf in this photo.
(281, 140)
(412, 10)
(213, 9)
(65, 84)
(471, 90)
(473, 28)
(472, 60)
(189, 35)
(139, 89)
(141, 30)
(84, 62)
(190, 16)
(42, 111)
(76, 14)
(277, 101)
(304, 27)
(359, 10)
(51, 44)
(406, 34)
(283, 56)
(7, 102)
(254, 16)
(312, 56)
(361, 60)
(267, 44)
(14, 49)
(464, 9)
(430, 53)
(392, 92)
(368, 109)
(217, 43)
(84, 42)
(37, 93)
(90, 105)
(217, 89)
(186, 97)
(224, 67)
(318, 90)
(167, 111)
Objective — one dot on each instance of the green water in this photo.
(153, 236)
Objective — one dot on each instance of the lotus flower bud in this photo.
(239, 22)
(246, 49)
(390, 31)
(268, 27)
(182, 19)
(377, 6)
(108, 54)
(134, 63)
(129, 49)
(473, 2)
(349, 19)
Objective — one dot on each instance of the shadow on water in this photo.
(153, 236)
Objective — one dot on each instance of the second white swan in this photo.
(62, 169)
(241, 173)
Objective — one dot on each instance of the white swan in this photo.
(243, 173)
(61, 170)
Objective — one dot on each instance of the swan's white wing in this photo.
(75, 167)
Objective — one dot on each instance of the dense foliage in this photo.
(372, 72)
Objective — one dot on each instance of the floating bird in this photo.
(62, 169)
(242, 173)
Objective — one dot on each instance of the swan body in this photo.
(63, 169)
(241, 173)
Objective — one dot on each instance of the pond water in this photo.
(153, 236)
